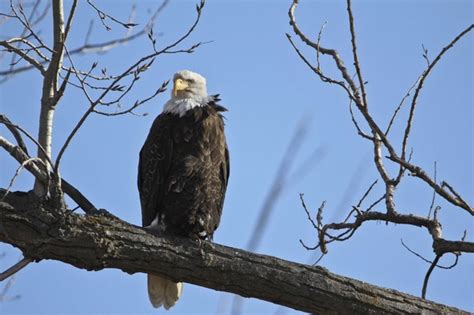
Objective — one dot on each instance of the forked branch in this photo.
(330, 232)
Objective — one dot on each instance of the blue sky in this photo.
(268, 91)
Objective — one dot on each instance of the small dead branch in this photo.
(104, 16)
(434, 192)
(15, 268)
(38, 170)
(397, 110)
(16, 134)
(456, 255)
(17, 173)
(17, 131)
(355, 54)
(421, 81)
(23, 55)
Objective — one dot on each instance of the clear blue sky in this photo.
(268, 90)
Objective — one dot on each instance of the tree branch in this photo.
(354, 52)
(422, 79)
(35, 63)
(15, 268)
(444, 246)
(420, 173)
(16, 134)
(18, 154)
(49, 89)
(325, 51)
(104, 241)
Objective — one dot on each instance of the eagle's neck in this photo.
(182, 105)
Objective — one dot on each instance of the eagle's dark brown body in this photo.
(183, 172)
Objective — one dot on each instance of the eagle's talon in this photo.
(201, 247)
(152, 230)
(100, 212)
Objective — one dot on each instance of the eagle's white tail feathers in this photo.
(162, 291)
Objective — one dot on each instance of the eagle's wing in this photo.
(225, 164)
(153, 167)
(225, 172)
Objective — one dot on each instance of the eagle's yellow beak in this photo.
(179, 85)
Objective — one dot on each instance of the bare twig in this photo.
(331, 52)
(356, 124)
(69, 21)
(4, 120)
(457, 195)
(434, 191)
(429, 261)
(103, 16)
(138, 103)
(38, 171)
(23, 33)
(376, 202)
(428, 274)
(421, 81)
(18, 138)
(24, 56)
(420, 173)
(20, 16)
(366, 193)
(395, 113)
(317, 43)
(15, 268)
(354, 53)
(321, 75)
(316, 226)
(17, 173)
(425, 55)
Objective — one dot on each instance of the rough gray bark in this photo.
(95, 242)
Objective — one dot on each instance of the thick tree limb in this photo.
(95, 242)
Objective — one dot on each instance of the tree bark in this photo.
(95, 242)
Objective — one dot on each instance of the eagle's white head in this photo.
(189, 91)
(188, 84)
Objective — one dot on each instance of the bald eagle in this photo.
(183, 171)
